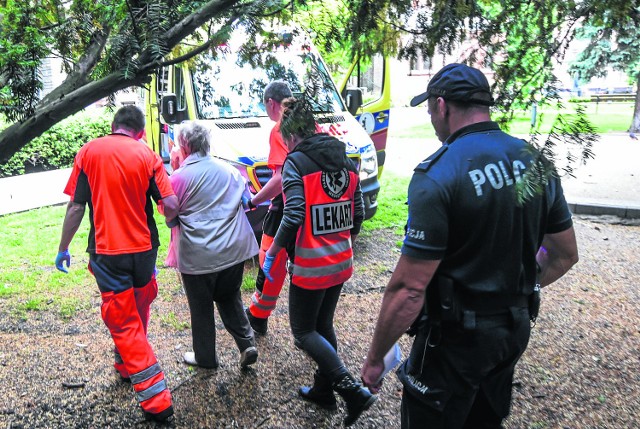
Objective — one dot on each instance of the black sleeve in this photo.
(559, 215)
(82, 194)
(294, 209)
(358, 215)
(154, 191)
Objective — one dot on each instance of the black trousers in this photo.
(223, 288)
(465, 380)
(311, 318)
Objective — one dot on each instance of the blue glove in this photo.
(266, 267)
(245, 202)
(63, 256)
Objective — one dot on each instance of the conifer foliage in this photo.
(109, 45)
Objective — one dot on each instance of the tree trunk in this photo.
(76, 93)
(12, 139)
(635, 123)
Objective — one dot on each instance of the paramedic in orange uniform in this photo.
(263, 301)
(323, 213)
(117, 177)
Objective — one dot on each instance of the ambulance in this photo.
(223, 89)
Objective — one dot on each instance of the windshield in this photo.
(231, 84)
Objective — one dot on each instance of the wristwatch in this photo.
(251, 205)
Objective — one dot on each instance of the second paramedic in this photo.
(263, 301)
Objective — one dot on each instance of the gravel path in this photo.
(582, 368)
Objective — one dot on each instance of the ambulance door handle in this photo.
(382, 116)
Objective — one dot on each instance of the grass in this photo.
(171, 320)
(29, 280)
(250, 273)
(605, 117)
(392, 209)
(27, 274)
(30, 283)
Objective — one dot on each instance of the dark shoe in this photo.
(358, 398)
(258, 324)
(160, 417)
(248, 357)
(321, 393)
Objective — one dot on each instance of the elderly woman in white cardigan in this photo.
(215, 240)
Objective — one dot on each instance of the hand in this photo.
(172, 223)
(266, 267)
(63, 256)
(245, 203)
(370, 374)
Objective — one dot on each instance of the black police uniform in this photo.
(463, 211)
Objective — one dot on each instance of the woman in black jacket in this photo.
(323, 213)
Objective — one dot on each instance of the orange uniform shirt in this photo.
(278, 150)
(117, 176)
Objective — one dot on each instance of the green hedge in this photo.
(57, 147)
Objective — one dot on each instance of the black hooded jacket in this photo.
(329, 154)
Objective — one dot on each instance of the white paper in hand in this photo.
(391, 360)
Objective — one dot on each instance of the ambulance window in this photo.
(179, 85)
(163, 80)
(368, 75)
(230, 83)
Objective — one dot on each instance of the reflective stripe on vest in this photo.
(323, 256)
(320, 252)
(323, 270)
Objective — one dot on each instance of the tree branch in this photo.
(80, 74)
(13, 138)
(195, 51)
(194, 21)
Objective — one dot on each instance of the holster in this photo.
(445, 303)
(534, 304)
(440, 305)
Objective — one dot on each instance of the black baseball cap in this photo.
(458, 82)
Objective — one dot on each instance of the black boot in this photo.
(321, 393)
(258, 324)
(358, 398)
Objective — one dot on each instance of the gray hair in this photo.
(278, 90)
(194, 137)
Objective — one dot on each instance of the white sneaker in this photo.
(189, 358)
(249, 356)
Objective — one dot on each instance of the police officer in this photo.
(474, 255)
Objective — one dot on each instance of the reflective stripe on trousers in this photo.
(264, 301)
(120, 314)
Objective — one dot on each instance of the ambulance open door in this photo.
(372, 76)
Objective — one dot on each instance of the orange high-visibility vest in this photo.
(323, 253)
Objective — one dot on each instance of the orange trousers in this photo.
(126, 314)
(264, 299)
